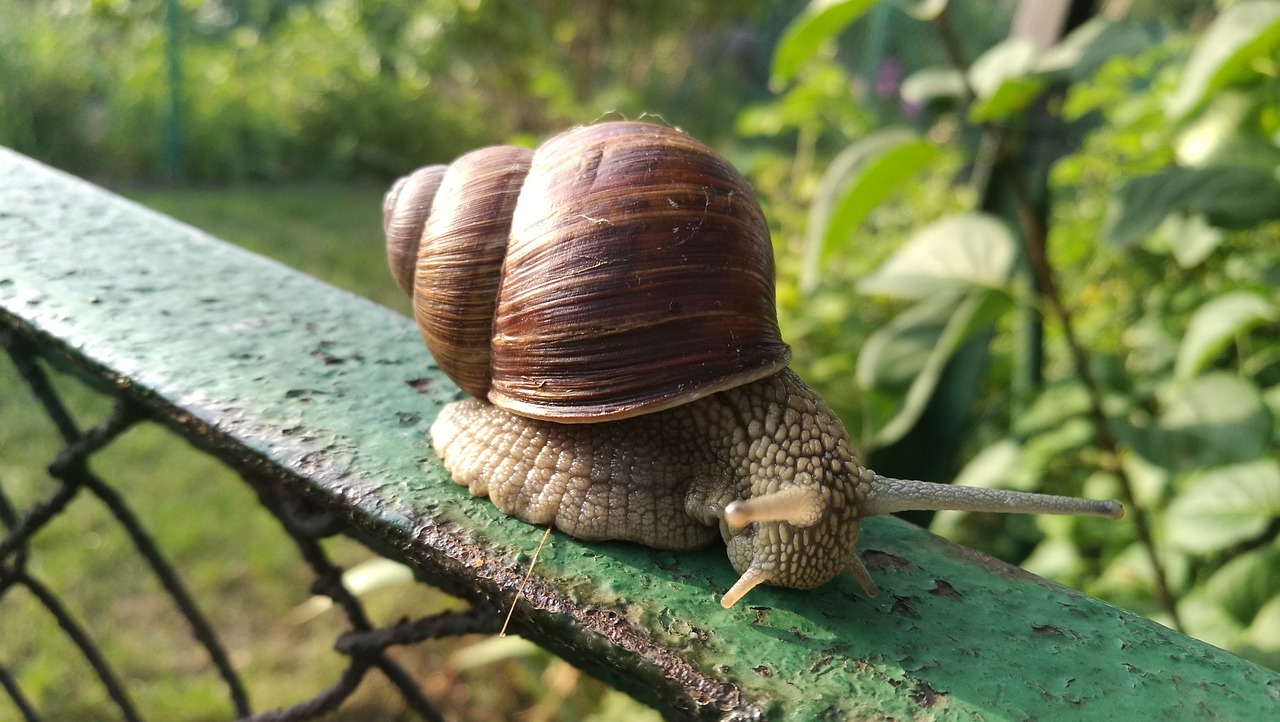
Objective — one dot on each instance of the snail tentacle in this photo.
(887, 496)
(753, 577)
(859, 572)
(800, 505)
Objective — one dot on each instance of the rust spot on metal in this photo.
(422, 385)
(666, 561)
(926, 696)
(999, 568)
(879, 561)
(943, 589)
(903, 606)
(327, 359)
(703, 691)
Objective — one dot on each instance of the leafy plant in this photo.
(339, 89)
(1152, 278)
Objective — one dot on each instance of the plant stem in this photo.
(1035, 234)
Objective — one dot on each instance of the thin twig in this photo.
(528, 573)
(1035, 236)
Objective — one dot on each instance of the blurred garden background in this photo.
(1014, 249)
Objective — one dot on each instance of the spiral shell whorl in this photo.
(464, 241)
(404, 213)
(638, 273)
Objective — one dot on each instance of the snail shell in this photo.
(622, 269)
(608, 302)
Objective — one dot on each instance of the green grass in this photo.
(242, 569)
(332, 232)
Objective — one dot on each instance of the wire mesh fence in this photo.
(364, 645)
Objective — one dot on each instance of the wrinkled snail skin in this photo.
(665, 479)
(607, 301)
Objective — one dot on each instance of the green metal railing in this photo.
(320, 400)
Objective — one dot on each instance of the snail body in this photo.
(607, 301)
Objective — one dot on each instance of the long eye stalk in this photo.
(887, 496)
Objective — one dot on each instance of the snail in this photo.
(608, 303)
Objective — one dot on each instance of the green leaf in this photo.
(824, 97)
(1261, 641)
(1129, 575)
(1239, 35)
(858, 180)
(805, 36)
(1244, 584)
(1087, 47)
(990, 467)
(1055, 404)
(1188, 236)
(895, 354)
(1224, 507)
(1152, 348)
(1215, 324)
(1208, 621)
(1072, 434)
(1007, 59)
(965, 249)
(1214, 137)
(1239, 149)
(936, 83)
(1051, 559)
(491, 650)
(1003, 80)
(922, 9)
(911, 352)
(1229, 196)
(1216, 419)
(360, 579)
(1150, 482)
(1013, 96)
(1271, 397)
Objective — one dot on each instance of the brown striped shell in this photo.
(622, 268)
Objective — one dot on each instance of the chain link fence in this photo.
(364, 645)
